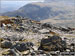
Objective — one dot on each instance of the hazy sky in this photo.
(11, 5)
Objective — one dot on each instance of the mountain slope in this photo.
(41, 11)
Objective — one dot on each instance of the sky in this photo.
(11, 5)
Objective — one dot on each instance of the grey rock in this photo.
(53, 43)
(23, 46)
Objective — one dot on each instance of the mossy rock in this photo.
(6, 44)
(53, 43)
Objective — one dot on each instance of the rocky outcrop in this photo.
(30, 37)
(53, 43)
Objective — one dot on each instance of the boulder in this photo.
(20, 29)
(45, 25)
(22, 46)
(64, 29)
(43, 30)
(6, 44)
(54, 43)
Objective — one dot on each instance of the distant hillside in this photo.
(59, 22)
(41, 11)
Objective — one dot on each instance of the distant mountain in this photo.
(41, 11)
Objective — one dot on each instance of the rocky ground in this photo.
(26, 37)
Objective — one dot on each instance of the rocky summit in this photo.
(26, 37)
